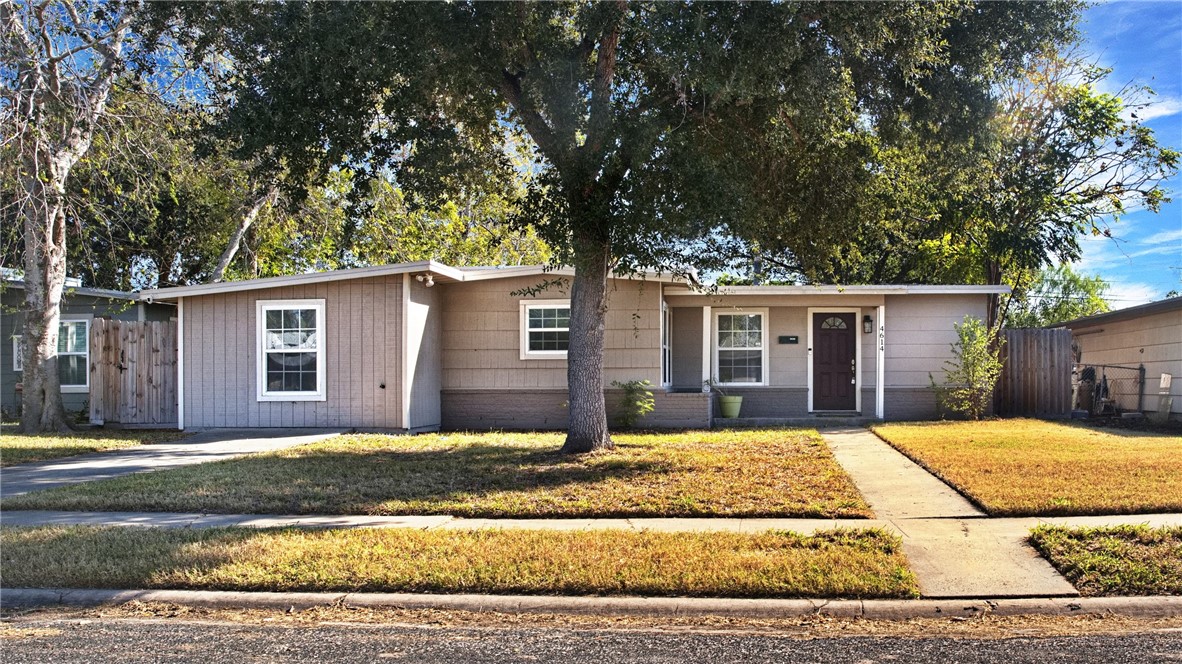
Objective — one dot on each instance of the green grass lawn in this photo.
(19, 448)
(1120, 560)
(697, 473)
(1025, 467)
(842, 563)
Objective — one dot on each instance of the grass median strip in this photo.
(839, 563)
(749, 473)
(1025, 467)
(21, 448)
(1117, 560)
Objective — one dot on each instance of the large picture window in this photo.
(740, 349)
(291, 350)
(73, 355)
(545, 329)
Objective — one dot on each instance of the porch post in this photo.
(706, 325)
(180, 364)
(879, 365)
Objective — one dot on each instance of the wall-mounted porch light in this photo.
(867, 324)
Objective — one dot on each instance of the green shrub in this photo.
(972, 373)
(636, 402)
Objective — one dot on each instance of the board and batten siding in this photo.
(423, 355)
(362, 342)
(481, 333)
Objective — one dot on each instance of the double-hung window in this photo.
(740, 348)
(291, 350)
(545, 329)
(73, 355)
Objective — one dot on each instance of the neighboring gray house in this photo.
(79, 307)
(422, 346)
(1149, 335)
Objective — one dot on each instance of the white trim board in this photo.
(856, 311)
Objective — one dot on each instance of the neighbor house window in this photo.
(740, 349)
(291, 350)
(545, 329)
(73, 355)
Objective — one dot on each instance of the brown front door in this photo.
(834, 344)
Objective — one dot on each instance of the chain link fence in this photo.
(1108, 389)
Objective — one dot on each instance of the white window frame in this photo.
(526, 307)
(66, 319)
(764, 345)
(18, 356)
(666, 345)
(261, 309)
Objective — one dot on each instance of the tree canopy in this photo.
(665, 135)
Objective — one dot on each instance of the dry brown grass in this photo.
(20, 448)
(773, 473)
(841, 563)
(1028, 467)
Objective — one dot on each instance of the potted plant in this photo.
(728, 405)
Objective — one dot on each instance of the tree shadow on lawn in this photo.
(472, 480)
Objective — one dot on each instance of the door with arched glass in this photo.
(834, 361)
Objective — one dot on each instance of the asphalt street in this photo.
(188, 641)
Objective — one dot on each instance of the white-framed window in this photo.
(666, 345)
(545, 329)
(73, 355)
(291, 350)
(740, 347)
(18, 353)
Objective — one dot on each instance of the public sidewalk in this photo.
(201, 447)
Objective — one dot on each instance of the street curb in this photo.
(885, 609)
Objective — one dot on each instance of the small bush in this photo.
(636, 402)
(972, 373)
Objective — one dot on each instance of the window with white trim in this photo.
(545, 329)
(291, 350)
(740, 349)
(666, 344)
(73, 355)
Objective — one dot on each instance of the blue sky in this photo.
(1142, 42)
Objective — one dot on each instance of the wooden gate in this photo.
(1036, 380)
(133, 372)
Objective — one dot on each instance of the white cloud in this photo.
(1125, 295)
(1162, 108)
(1163, 237)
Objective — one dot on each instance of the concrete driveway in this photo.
(201, 447)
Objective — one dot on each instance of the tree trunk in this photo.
(45, 276)
(584, 371)
(244, 225)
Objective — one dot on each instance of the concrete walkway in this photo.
(954, 551)
(201, 447)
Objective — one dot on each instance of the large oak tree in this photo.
(665, 134)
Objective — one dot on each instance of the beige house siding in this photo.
(362, 341)
(424, 353)
(920, 334)
(1154, 340)
(481, 333)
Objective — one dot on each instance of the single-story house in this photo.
(1148, 335)
(80, 306)
(423, 346)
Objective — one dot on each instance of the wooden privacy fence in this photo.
(1036, 379)
(133, 372)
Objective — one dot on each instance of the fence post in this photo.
(1140, 388)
